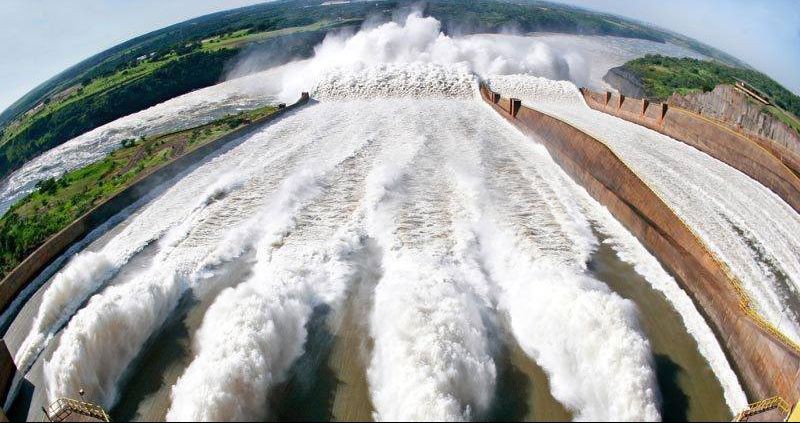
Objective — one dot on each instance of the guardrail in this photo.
(762, 406)
(64, 408)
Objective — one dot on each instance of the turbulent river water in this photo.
(395, 250)
(454, 254)
(750, 228)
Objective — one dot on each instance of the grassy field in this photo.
(58, 202)
(785, 117)
(243, 37)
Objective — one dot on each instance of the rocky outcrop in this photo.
(734, 108)
(625, 82)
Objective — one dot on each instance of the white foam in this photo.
(745, 224)
(535, 89)
(586, 338)
(563, 100)
(417, 80)
(431, 358)
(89, 271)
(632, 251)
(254, 332)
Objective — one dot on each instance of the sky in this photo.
(40, 38)
(763, 33)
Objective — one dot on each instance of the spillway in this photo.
(750, 228)
(396, 212)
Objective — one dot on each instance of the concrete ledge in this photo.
(19, 277)
(767, 162)
(766, 364)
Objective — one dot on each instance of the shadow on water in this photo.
(146, 374)
(22, 402)
(675, 402)
(689, 388)
(309, 391)
(514, 388)
(144, 392)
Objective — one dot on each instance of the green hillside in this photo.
(661, 76)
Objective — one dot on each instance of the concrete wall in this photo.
(17, 279)
(7, 372)
(766, 364)
(769, 163)
(733, 106)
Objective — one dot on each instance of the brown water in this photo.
(689, 388)
(329, 382)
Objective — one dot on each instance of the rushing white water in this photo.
(535, 241)
(581, 59)
(475, 226)
(431, 358)
(200, 241)
(746, 225)
(630, 250)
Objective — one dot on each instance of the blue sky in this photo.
(40, 38)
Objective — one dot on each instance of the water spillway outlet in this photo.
(516, 104)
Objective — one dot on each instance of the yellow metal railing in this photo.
(794, 416)
(62, 408)
(762, 406)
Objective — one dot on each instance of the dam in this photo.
(421, 239)
(414, 242)
(630, 202)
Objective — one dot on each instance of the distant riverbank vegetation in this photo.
(661, 76)
(59, 202)
(106, 99)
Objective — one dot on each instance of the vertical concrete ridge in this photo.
(771, 165)
(765, 360)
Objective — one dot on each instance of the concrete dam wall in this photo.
(770, 163)
(23, 274)
(767, 362)
(733, 107)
